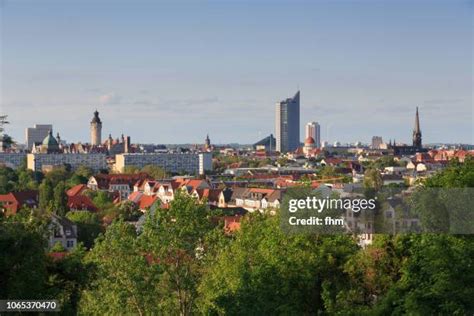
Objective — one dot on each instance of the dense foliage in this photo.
(182, 262)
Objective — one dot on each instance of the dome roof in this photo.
(309, 140)
(96, 118)
(50, 140)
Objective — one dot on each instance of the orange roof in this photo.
(77, 189)
(81, 202)
(146, 201)
(231, 223)
(135, 196)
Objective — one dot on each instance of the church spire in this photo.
(417, 131)
(417, 122)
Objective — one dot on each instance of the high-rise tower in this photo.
(96, 129)
(287, 124)
(417, 132)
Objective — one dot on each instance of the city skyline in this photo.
(62, 61)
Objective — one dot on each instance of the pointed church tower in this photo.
(417, 132)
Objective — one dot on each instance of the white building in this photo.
(40, 162)
(36, 134)
(62, 231)
(171, 162)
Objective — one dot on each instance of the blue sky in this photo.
(170, 72)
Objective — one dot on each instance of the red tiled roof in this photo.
(146, 201)
(13, 201)
(135, 196)
(193, 183)
(81, 202)
(332, 161)
(104, 180)
(75, 190)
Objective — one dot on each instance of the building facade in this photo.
(36, 135)
(377, 142)
(96, 130)
(40, 162)
(171, 162)
(287, 124)
(12, 160)
(62, 231)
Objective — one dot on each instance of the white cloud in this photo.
(109, 98)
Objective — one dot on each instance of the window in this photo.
(57, 232)
(70, 243)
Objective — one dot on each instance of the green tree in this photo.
(46, 194)
(60, 199)
(57, 175)
(129, 211)
(130, 169)
(68, 277)
(437, 278)
(23, 259)
(177, 238)
(88, 226)
(328, 172)
(58, 247)
(84, 171)
(418, 274)
(456, 175)
(80, 176)
(26, 180)
(8, 179)
(385, 161)
(125, 279)
(264, 271)
(155, 171)
(102, 200)
(282, 161)
(372, 179)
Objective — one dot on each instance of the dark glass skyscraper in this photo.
(287, 124)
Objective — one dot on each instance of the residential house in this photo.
(122, 183)
(62, 230)
(12, 202)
